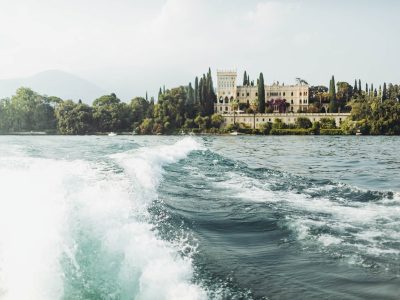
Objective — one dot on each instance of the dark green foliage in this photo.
(303, 123)
(316, 127)
(207, 96)
(74, 118)
(275, 131)
(139, 108)
(110, 114)
(27, 111)
(278, 124)
(374, 117)
(327, 123)
(333, 107)
(331, 132)
(265, 128)
(245, 78)
(384, 92)
(261, 94)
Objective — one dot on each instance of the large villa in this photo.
(286, 102)
(296, 96)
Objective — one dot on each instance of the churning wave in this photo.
(360, 226)
(79, 230)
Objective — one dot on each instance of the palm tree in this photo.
(234, 106)
(254, 107)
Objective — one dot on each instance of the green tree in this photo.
(217, 120)
(108, 114)
(327, 123)
(384, 92)
(333, 107)
(303, 123)
(261, 94)
(73, 118)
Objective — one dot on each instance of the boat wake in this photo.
(78, 229)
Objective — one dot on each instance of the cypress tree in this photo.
(261, 94)
(372, 89)
(248, 79)
(159, 93)
(332, 96)
(366, 88)
(384, 93)
(211, 97)
(147, 99)
(190, 94)
(375, 93)
(196, 90)
(355, 87)
(359, 86)
(245, 78)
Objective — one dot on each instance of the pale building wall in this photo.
(227, 91)
(289, 118)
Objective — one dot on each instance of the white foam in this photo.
(44, 205)
(365, 219)
(33, 218)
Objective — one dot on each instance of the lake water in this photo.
(245, 217)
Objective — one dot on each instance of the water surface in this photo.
(199, 217)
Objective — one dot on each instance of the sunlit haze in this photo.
(130, 47)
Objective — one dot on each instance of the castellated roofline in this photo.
(227, 71)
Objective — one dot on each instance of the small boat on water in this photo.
(358, 132)
(235, 133)
(112, 134)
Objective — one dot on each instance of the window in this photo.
(300, 93)
(284, 94)
(300, 101)
(248, 94)
(292, 93)
(226, 108)
(291, 101)
(238, 94)
(242, 94)
(256, 94)
(263, 120)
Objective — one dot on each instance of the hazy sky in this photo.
(130, 46)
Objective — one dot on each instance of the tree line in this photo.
(185, 107)
(191, 108)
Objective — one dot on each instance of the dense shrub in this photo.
(331, 132)
(290, 131)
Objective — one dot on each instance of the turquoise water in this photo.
(199, 217)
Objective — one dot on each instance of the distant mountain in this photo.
(54, 83)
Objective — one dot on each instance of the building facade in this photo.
(279, 98)
(255, 120)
